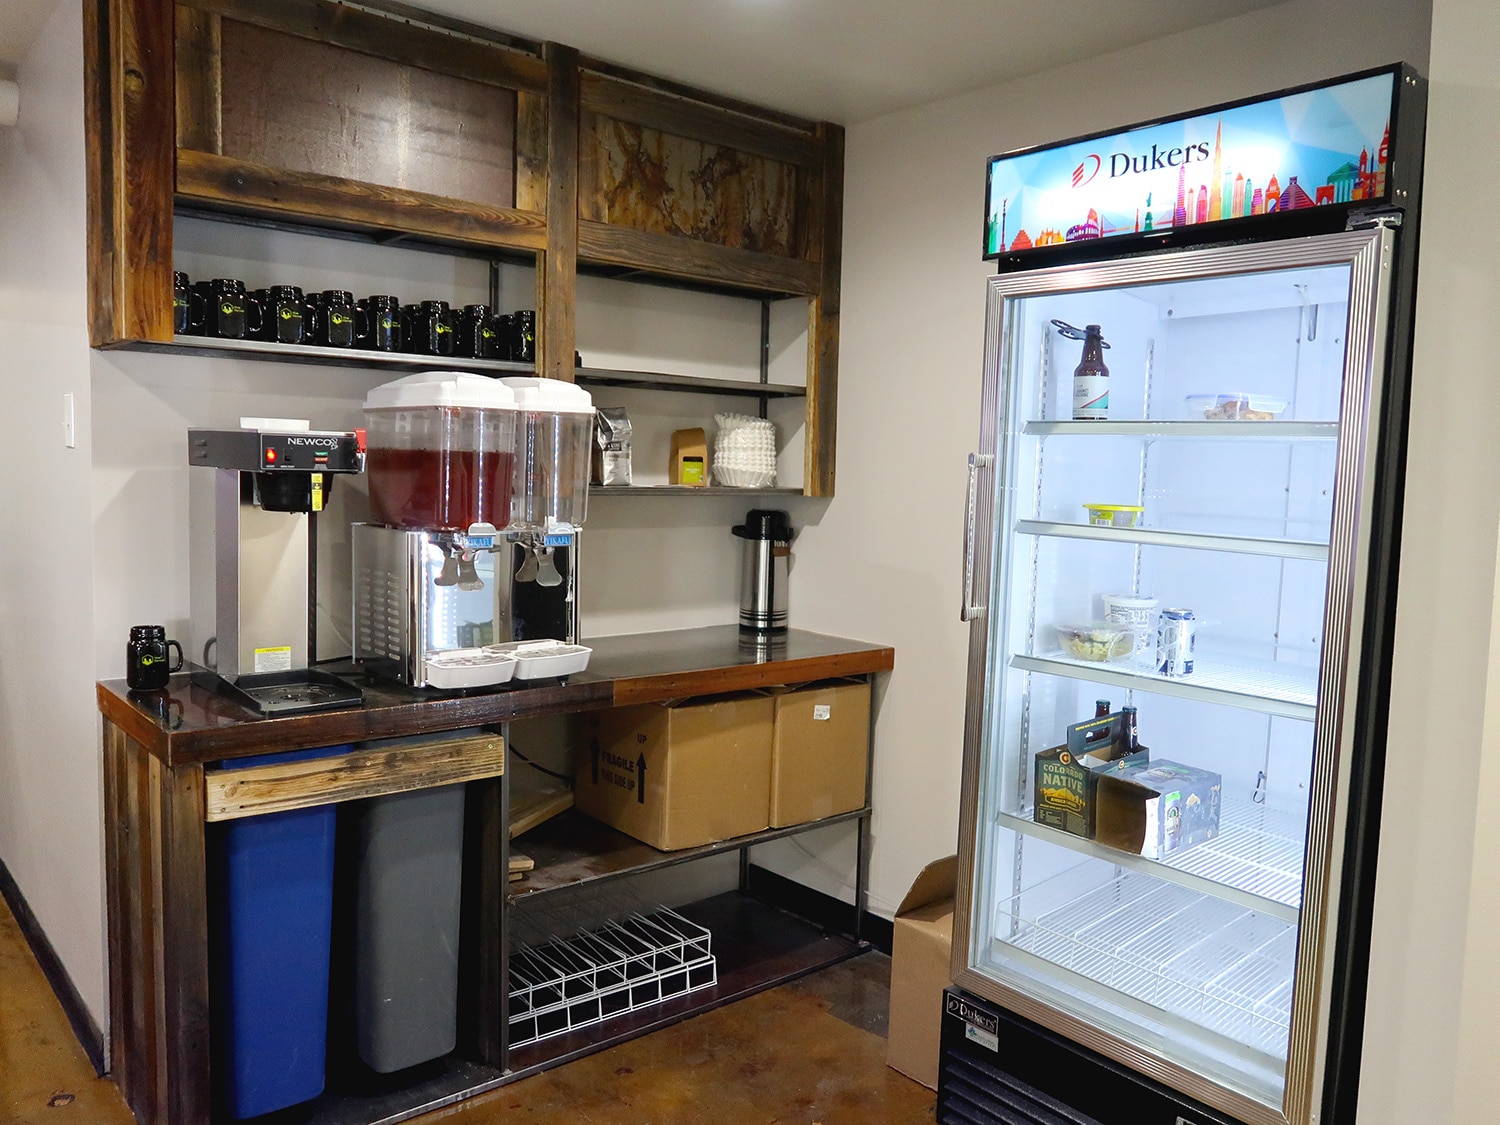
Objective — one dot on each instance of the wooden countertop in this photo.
(189, 723)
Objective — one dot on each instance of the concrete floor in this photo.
(811, 1053)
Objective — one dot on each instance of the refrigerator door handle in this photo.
(969, 611)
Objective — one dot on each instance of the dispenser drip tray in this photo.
(290, 693)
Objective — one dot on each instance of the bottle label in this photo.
(1090, 397)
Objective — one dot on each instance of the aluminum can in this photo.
(1176, 635)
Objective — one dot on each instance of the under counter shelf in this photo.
(1270, 687)
(1190, 540)
(1254, 862)
(660, 381)
(1237, 430)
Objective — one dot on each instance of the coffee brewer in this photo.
(253, 561)
(478, 489)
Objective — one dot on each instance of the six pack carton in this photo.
(677, 776)
(1065, 778)
(819, 752)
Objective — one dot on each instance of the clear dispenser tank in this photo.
(441, 451)
(554, 440)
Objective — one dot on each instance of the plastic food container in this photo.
(1114, 515)
(537, 660)
(554, 443)
(1099, 641)
(441, 451)
(1236, 406)
(1140, 615)
(469, 667)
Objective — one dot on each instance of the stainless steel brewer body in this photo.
(253, 561)
(765, 559)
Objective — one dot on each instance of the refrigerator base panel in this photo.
(997, 1067)
(1205, 965)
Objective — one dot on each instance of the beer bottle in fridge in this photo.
(1130, 739)
(1091, 379)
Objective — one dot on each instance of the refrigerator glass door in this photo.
(1185, 931)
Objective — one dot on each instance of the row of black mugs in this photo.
(283, 314)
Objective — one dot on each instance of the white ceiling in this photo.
(843, 60)
(838, 60)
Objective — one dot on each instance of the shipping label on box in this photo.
(1158, 809)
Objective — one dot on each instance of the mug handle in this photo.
(255, 325)
(197, 313)
(178, 666)
(363, 324)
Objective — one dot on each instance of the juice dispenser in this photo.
(446, 572)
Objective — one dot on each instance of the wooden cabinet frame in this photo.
(155, 132)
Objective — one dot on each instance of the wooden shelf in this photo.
(659, 381)
(388, 363)
(572, 849)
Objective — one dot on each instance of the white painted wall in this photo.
(51, 830)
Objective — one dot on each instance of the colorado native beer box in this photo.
(1159, 809)
(1065, 778)
(677, 776)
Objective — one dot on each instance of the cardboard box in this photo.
(921, 952)
(679, 776)
(819, 752)
(689, 458)
(1065, 778)
(1158, 809)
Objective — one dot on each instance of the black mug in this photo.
(147, 658)
(377, 324)
(181, 304)
(431, 329)
(473, 323)
(223, 311)
(282, 315)
(523, 336)
(497, 337)
(334, 317)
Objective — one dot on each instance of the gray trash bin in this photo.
(410, 866)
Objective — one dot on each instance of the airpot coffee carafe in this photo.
(766, 538)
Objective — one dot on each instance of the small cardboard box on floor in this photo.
(921, 949)
(820, 751)
(677, 776)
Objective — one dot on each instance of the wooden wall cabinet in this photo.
(398, 126)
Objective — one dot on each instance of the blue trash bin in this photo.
(273, 899)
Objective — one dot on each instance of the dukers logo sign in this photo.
(1124, 164)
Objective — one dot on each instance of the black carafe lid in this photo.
(765, 523)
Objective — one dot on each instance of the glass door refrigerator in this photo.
(1180, 579)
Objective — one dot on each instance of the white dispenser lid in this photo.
(442, 388)
(550, 395)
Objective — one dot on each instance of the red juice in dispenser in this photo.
(441, 451)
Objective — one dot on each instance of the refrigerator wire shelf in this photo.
(1276, 687)
(1259, 849)
(621, 966)
(1211, 963)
